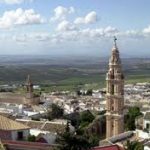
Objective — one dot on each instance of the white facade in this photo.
(11, 108)
(147, 124)
(146, 148)
(48, 136)
(142, 134)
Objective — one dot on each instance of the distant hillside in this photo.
(67, 71)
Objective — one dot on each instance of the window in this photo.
(112, 108)
(112, 126)
(20, 135)
(147, 126)
(112, 89)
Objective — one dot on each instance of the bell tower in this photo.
(114, 95)
(29, 88)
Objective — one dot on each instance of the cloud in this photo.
(14, 1)
(21, 38)
(131, 34)
(65, 26)
(67, 34)
(82, 39)
(60, 13)
(88, 19)
(24, 38)
(146, 30)
(20, 17)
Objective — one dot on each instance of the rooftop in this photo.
(121, 137)
(8, 124)
(27, 145)
(112, 147)
(44, 125)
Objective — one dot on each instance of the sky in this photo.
(74, 27)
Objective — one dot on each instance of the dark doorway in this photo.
(20, 135)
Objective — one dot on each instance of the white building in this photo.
(146, 121)
(12, 130)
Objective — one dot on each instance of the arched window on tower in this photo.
(122, 76)
(112, 126)
(112, 89)
(112, 107)
(112, 76)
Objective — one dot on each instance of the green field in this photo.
(93, 82)
(68, 73)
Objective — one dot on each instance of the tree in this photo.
(129, 122)
(71, 141)
(94, 140)
(86, 116)
(89, 92)
(134, 145)
(56, 112)
(78, 92)
(134, 111)
(74, 119)
(31, 138)
(130, 118)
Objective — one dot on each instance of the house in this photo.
(146, 121)
(139, 122)
(144, 132)
(147, 146)
(47, 130)
(12, 130)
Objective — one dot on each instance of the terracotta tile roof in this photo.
(34, 124)
(112, 147)
(8, 124)
(31, 123)
(27, 145)
(44, 125)
(53, 127)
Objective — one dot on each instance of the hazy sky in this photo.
(79, 27)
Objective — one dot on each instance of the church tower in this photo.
(114, 95)
(29, 88)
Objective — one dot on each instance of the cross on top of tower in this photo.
(115, 43)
